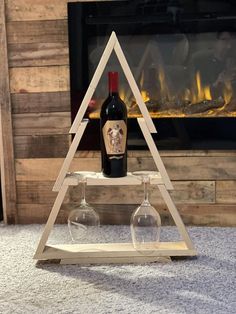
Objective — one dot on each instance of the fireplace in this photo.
(183, 57)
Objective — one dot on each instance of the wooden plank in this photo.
(35, 192)
(38, 146)
(26, 32)
(38, 54)
(39, 79)
(201, 168)
(8, 185)
(185, 192)
(172, 153)
(41, 123)
(129, 179)
(116, 260)
(39, 213)
(31, 169)
(219, 215)
(188, 192)
(94, 252)
(27, 10)
(192, 168)
(40, 102)
(226, 192)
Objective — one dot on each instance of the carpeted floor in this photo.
(206, 284)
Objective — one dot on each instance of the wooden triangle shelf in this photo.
(112, 252)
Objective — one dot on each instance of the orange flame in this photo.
(122, 94)
(202, 93)
(227, 92)
(145, 95)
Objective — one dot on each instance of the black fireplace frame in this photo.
(145, 17)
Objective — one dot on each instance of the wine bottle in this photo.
(113, 129)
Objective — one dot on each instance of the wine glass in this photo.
(83, 219)
(145, 221)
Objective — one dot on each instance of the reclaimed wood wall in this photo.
(204, 181)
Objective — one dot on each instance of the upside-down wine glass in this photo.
(83, 219)
(145, 221)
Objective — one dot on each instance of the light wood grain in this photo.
(31, 169)
(8, 186)
(41, 123)
(226, 192)
(113, 252)
(27, 10)
(38, 146)
(171, 153)
(188, 192)
(38, 54)
(40, 102)
(116, 260)
(221, 215)
(28, 32)
(39, 213)
(39, 79)
(192, 168)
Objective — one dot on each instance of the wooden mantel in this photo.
(35, 120)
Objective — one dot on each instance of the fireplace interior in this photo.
(183, 57)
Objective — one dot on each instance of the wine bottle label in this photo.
(115, 134)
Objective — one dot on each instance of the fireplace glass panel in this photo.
(179, 75)
(183, 57)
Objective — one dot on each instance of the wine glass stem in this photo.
(145, 191)
(83, 200)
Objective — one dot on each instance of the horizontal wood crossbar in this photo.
(113, 250)
(98, 179)
(116, 260)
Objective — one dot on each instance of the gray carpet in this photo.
(205, 284)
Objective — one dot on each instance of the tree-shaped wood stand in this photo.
(112, 252)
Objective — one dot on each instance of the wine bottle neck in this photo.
(113, 83)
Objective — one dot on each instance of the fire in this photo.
(122, 94)
(165, 91)
(163, 101)
(202, 93)
(145, 96)
(227, 92)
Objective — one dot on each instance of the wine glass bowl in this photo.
(145, 221)
(83, 219)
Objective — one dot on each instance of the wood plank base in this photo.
(113, 253)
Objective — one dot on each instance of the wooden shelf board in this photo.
(73, 178)
(116, 260)
(113, 250)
